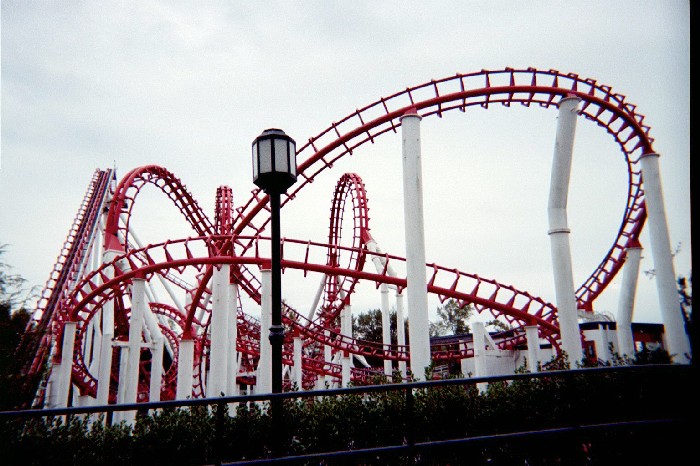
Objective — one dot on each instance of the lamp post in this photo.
(274, 171)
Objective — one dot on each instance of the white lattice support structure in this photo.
(559, 230)
(625, 312)
(665, 275)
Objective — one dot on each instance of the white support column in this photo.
(264, 372)
(479, 339)
(232, 361)
(119, 416)
(346, 329)
(185, 363)
(138, 305)
(52, 385)
(400, 330)
(386, 326)
(630, 274)
(602, 343)
(317, 297)
(480, 363)
(88, 341)
(345, 369)
(218, 355)
(156, 370)
(106, 349)
(327, 358)
(66, 367)
(298, 370)
(674, 325)
(533, 348)
(94, 366)
(559, 230)
(346, 321)
(419, 325)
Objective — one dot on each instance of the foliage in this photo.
(358, 421)
(13, 321)
(453, 319)
(367, 326)
(11, 285)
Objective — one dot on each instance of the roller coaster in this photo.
(83, 320)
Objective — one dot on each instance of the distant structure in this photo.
(120, 321)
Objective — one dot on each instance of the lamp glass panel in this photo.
(265, 155)
(255, 160)
(281, 157)
(292, 158)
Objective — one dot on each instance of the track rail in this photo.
(507, 87)
(35, 345)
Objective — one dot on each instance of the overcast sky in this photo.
(189, 85)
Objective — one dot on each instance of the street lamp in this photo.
(274, 171)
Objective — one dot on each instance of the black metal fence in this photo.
(643, 415)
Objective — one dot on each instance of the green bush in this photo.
(353, 421)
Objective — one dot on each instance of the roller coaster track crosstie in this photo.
(238, 236)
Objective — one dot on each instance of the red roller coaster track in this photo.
(236, 237)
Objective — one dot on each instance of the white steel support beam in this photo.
(630, 275)
(298, 370)
(559, 230)
(327, 358)
(479, 339)
(138, 305)
(400, 329)
(417, 285)
(533, 348)
(94, 365)
(263, 382)
(130, 380)
(185, 365)
(156, 369)
(218, 349)
(232, 335)
(105, 368)
(345, 369)
(346, 329)
(386, 326)
(665, 275)
(123, 352)
(66, 367)
(317, 297)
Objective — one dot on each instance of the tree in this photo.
(13, 321)
(453, 319)
(367, 326)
